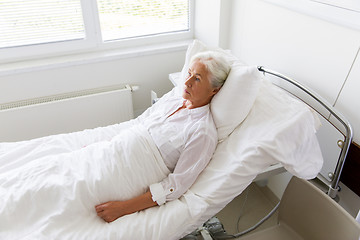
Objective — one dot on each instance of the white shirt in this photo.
(186, 141)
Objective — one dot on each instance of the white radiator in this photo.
(65, 113)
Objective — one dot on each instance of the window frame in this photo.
(339, 15)
(93, 40)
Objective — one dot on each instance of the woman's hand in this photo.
(110, 211)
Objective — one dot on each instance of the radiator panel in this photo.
(66, 115)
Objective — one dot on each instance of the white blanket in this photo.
(53, 194)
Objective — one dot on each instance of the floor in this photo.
(245, 211)
(249, 208)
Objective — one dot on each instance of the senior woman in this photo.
(184, 132)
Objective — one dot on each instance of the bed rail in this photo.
(332, 116)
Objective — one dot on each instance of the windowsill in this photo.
(90, 57)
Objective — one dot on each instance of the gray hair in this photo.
(216, 64)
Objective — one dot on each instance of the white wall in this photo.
(147, 71)
(349, 98)
(315, 52)
(213, 22)
(321, 55)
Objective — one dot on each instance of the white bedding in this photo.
(52, 196)
(278, 129)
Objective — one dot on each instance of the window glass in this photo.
(28, 22)
(133, 18)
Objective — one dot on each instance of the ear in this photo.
(216, 90)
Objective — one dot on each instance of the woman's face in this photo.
(198, 89)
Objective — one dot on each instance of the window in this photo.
(46, 27)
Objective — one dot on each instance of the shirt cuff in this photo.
(159, 194)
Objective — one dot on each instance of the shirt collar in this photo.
(198, 109)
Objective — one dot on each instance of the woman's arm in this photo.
(110, 211)
(193, 159)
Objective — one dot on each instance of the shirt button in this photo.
(171, 189)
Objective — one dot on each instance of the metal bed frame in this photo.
(331, 115)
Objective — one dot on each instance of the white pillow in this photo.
(232, 103)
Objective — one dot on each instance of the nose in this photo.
(189, 79)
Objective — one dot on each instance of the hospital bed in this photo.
(307, 210)
(262, 130)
